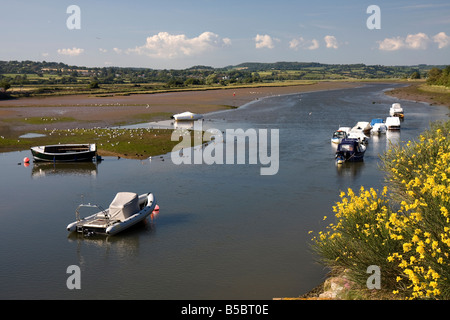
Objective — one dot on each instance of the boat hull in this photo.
(187, 116)
(64, 153)
(393, 123)
(350, 150)
(379, 128)
(355, 157)
(97, 224)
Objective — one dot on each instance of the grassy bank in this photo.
(420, 91)
(403, 229)
(109, 90)
(126, 143)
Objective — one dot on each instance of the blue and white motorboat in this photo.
(350, 150)
(378, 126)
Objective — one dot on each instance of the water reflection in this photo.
(392, 137)
(43, 169)
(349, 169)
(112, 249)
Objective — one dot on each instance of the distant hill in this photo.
(55, 73)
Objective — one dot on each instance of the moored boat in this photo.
(364, 126)
(126, 210)
(187, 116)
(351, 150)
(378, 126)
(64, 152)
(396, 110)
(359, 135)
(393, 123)
(339, 135)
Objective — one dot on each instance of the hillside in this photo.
(25, 78)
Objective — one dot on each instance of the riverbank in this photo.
(419, 91)
(42, 115)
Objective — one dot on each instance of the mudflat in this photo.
(65, 112)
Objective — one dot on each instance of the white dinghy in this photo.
(396, 110)
(393, 123)
(125, 210)
(187, 116)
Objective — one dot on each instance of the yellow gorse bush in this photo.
(409, 239)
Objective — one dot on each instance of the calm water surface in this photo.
(223, 231)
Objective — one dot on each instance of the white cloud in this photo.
(417, 41)
(71, 52)
(331, 42)
(102, 50)
(166, 45)
(117, 50)
(264, 41)
(391, 44)
(226, 41)
(442, 40)
(304, 44)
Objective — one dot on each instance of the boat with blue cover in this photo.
(378, 126)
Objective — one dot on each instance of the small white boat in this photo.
(359, 135)
(396, 110)
(393, 123)
(363, 126)
(187, 116)
(338, 136)
(379, 128)
(125, 210)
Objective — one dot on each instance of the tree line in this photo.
(18, 73)
(440, 77)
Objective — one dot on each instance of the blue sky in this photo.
(180, 34)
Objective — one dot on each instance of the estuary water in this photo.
(224, 231)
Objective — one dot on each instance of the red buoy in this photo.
(156, 210)
(26, 160)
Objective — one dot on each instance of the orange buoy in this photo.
(26, 160)
(156, 210)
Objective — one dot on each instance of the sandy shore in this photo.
(88, 111)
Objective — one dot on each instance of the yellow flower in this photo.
(407, 247)
(420, 249)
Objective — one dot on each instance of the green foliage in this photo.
(440, 77)
(415, 75)
(94, 85)
(5, 85)
(405, 232)
(20, 73)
